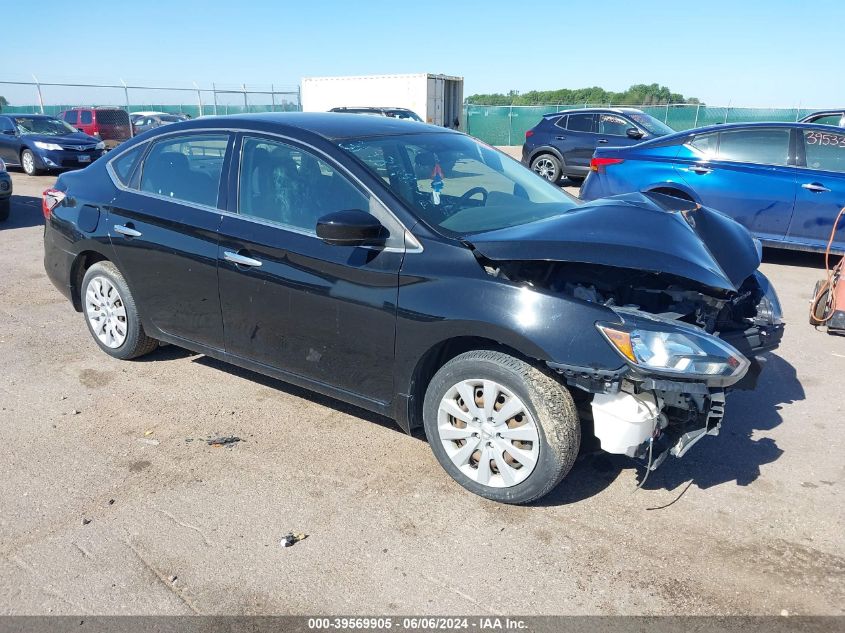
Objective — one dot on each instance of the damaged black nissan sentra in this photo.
(417, 273)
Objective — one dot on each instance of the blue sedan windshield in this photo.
(457, 185)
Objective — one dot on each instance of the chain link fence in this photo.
(51, 98)
(506, 125)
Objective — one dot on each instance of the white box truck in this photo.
(437, 99)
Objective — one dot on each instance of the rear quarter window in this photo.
(123, 165)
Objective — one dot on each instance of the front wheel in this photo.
(111, 314)
(28, 163)
(500, 427)
(547, 166)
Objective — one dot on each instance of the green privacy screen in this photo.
(506, 125)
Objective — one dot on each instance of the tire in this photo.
(5, 208)
(546, 166)
(546, 412)
(105, 298)
(819, 307)
(28, 163)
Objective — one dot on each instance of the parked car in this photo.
(37, 143)
(110, 125)
(5, 192)
(485, 308)
(144, 123)
(562, 143)
(826, 117)
(785, 182)
(395, 113)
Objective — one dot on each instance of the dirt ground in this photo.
(113, 503)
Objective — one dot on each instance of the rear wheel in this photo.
(5, 207)
(500, 427)
(547, 166)
(111, 314)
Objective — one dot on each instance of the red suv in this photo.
(111, 125)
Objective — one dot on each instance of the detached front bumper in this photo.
(649, 417)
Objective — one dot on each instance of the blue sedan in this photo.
(785, 182)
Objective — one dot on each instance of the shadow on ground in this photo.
(25, 212)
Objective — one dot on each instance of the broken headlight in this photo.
(675, 349)
(769, 311)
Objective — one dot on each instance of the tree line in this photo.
(638, 94)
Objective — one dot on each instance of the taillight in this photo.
(599, 163)
(50, 200)
(529, 133)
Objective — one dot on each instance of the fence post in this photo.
(510, 124)
(299, 98)
(666, 116)
(40, 98)
(727, 111)
(273, 97)
(214, 92)
(697, 109)
(199, 97)
(246, 105)
(126, 94)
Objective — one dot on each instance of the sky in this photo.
(757, 53)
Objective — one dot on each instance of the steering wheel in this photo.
(472, 192)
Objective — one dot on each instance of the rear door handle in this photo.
(560, 138)
(699, 169)
(240, 260)
(128, 231)
(602, 140)
(814, 186)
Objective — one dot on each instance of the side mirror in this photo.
(351, 228)
(634, 133)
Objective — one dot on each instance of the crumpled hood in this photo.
(650, 232)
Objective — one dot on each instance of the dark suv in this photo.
(562, 143)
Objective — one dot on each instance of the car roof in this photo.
(720, 127)
(329, 125)
(818, 112)
(592, 110)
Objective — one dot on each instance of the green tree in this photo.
(3, 102)
(638, 94)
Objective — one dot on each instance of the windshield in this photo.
(36, 125)
(457, 185)
(403, 114)
(651, 125)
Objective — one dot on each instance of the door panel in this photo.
(580, 141)
(9, 143)
(165, 237)
(726, 177)
(326, 313)
(821, 188)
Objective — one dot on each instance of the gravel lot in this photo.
(113, 503)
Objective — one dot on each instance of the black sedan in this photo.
(331, 251)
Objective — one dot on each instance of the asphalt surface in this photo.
(113, 503)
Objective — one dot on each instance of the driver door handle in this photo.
(815, 187)
(700, 169)
(127, 231)
(560, 138)
(240, 260)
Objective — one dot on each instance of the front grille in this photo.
(79, 148)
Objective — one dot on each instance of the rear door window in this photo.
(186, 168)
(87, 117)
(824, 150)
(581, 123)
(70, 117)
(761, 146)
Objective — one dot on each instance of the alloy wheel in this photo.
(28, 163)
(105, 312)
(545, 168)
(488, 433)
